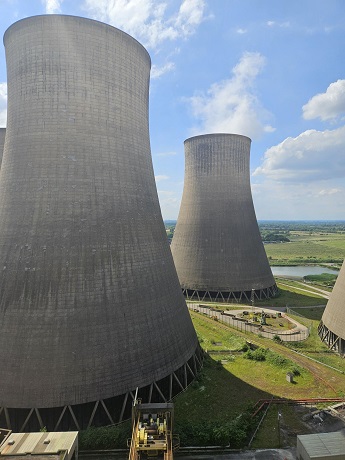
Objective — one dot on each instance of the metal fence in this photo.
(243, 325)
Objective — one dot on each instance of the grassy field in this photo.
(305, 248)
(230, 385)
(217, 407)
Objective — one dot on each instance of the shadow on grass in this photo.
(217, 409)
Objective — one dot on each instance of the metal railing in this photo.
(243, 325)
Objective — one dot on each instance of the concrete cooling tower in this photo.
(90, 304)
(332, 325)
(2, 142)
(217, 247)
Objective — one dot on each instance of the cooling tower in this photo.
(217, 247)
(332, 325)
(90, 304)
(2, 142)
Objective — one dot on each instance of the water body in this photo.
(302, 270)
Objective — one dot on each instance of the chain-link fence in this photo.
(242, 324)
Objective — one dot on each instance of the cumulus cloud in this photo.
(328, 105)
(157, 72)
(161, 177)
(52, 6)
(149, 21)
(232, 105)
(3, 105)
(298, 201)
(311, 156)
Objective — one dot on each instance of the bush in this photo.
(215, 433)
(277, 338)
(277, 360)
(256, 355)
(114, 437)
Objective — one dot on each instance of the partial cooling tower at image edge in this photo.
(217, 247)
(90, 304)
(332, 325)
(2, 142)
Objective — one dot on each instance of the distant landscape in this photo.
(298, 242)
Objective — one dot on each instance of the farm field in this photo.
(322, 243)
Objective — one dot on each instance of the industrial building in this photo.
(332, 325)
(217, 247)
(40, 446)
(90, 303)
(321, 446)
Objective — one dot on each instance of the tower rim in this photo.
(217, 135)
(103, 24)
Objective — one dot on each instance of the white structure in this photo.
(321, 446)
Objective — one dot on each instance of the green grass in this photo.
(305, 249)
(267, 435)
(291, 296)
(214, 338)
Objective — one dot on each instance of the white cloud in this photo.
(328, 105)
(297, 201)
(232, 105)
(241, 31)
(157, 72)
(330, 191)
(166, 154)
(147, 20)
(311, 156)
(170, 203)
(283, 25)
(161, 177)
(3, 104)
(52, 6)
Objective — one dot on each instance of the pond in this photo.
(302, 270)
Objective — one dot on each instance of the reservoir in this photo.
(302, 270)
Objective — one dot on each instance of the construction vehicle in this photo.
(152, 431)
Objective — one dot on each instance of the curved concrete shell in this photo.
(332, 325)
(90, 302)
(217, 248)
(2, 142)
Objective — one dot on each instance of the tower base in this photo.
(231, 296)
(103, 412)
(333, 341)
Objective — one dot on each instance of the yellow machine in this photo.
(152, 431)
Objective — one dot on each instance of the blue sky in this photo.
(268, 69)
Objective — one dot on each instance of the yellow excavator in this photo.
(152, 431)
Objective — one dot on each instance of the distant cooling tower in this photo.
(217, 247)
(90, 304)
(2, 142)
(332, 325)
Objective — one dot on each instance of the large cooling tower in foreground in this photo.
(90, 304)
(217, 247)
(332, 326)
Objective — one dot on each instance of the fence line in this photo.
(243, 325)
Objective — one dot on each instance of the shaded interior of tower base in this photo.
(104, 412)
(231, 296)
(332, 340)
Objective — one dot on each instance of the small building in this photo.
(40, 446)
(321, 446)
